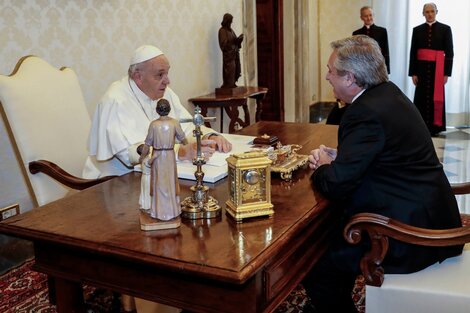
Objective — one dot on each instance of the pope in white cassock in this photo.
(121, 122)
(123, 115)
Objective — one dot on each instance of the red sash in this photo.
(438, 56)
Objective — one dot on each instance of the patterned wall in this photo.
(337, 20)
(97, 37)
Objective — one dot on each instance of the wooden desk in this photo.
(231, 103)
(94, 237)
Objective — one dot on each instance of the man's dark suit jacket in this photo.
(386, 164)
(380, 35)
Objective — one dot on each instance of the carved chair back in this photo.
(46, 116)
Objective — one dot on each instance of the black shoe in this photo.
(308, 308)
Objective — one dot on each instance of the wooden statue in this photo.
(165, 205)
(230, 45)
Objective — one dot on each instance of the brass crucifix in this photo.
(200, 204)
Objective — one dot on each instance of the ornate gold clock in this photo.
(249, 177)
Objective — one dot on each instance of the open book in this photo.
(216, 168)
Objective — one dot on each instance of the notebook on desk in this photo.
(216, 168)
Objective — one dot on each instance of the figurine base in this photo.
(230, 91)
(148, 223)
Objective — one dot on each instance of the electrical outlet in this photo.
(9, 211)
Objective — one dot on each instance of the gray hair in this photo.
(360, 55)
(134, 68)
(430, 4)
(365, 8)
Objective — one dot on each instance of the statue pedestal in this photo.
(147, 223)
(230, 91)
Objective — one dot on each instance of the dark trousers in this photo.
(331, 281)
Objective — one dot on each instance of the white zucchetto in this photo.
(144, 53)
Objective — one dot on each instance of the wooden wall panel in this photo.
(270, 57)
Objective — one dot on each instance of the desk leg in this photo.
(69, 296)
(51, 289)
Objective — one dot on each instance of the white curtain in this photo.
(399, 17)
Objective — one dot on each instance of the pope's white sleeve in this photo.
(129, 157)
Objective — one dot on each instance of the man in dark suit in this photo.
(374, 31)
(378, 167)
(431, 58)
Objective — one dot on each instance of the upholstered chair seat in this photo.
(443, 287)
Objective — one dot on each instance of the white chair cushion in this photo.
(47, 115)
(443, 287)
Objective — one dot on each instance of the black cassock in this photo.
(438, 36)
(380, 35)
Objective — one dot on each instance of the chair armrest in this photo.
(57, 173)
(380, 228)
(461, 189)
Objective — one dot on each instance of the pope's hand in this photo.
(221, 143)
(189, 151)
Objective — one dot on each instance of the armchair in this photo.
(441, 287)
(46, 117)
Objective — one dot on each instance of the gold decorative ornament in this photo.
(286, 160)
(249, 176)
(200, 204)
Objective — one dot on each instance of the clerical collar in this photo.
(139, 93)
(368, 26)
(358, 94)
(431, 23)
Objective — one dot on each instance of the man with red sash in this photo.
(431, 57)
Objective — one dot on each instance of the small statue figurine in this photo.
(230, 45)
(164, 187)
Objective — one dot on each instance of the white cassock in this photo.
(120, 123)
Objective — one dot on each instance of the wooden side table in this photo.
(231, 103)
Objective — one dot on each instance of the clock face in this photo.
(251, 177)
(253, 185)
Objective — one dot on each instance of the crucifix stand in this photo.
(200, 204)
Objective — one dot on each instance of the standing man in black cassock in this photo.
(376, 32)
(431, 58)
